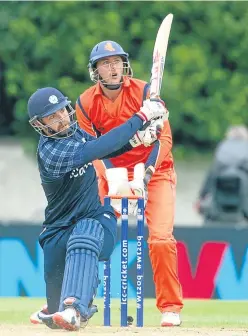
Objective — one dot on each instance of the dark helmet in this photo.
(44, 102)
(106, 49)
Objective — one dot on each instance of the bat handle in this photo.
(157, 99)
(148, 175)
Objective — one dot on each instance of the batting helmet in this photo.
(44, 102)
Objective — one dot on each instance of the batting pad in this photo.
(81, 268)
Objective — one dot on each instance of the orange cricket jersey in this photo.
(97, 115)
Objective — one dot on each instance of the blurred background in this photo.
(205, 89)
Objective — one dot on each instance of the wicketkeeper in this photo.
(114, 98)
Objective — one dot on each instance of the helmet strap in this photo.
(112, 86)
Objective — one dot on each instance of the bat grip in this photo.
(147, 124)
(148, 175)
(157, 99)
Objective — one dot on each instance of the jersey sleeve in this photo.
(161, 148)
(67, 154)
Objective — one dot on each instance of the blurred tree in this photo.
(48, 44)
(6, 104)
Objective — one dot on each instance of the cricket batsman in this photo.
(114, 98)
(78, 230)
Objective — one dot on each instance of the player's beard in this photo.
(63, 128)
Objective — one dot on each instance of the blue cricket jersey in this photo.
(68, 176)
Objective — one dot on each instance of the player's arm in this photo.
(161, 148)
(112, 141)
(140, 135)
(124, 149)
(68, 154)
(86, 124)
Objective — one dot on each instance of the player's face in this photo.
(110, 69)
(59, 121)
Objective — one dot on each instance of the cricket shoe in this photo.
(170, 319)
(35, 317)
(68, 319)
(43, 317)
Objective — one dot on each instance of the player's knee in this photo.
(161, 239)
(88, 234)
(109, 224)
(163, 247)
(110, 237)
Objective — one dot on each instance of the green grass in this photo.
(196, 313)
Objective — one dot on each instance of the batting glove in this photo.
(153, 109)
(148, 135)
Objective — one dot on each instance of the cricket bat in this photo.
(159, 55)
